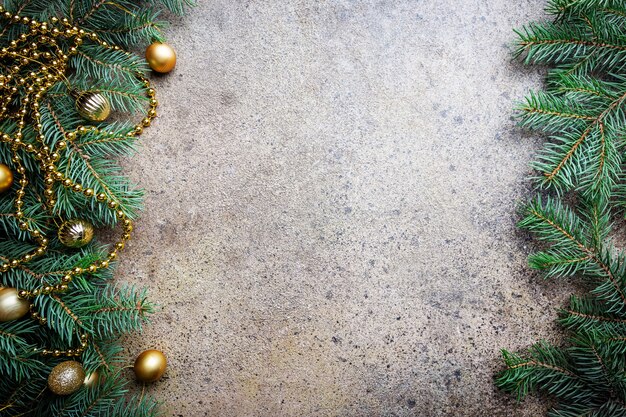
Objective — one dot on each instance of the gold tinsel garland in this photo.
(31, 65)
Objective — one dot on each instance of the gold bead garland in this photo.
(68, 352)
(39, 47)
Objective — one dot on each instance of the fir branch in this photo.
(91, 306)
(585, 153)
(116, 310)
(556, 43)
(583, 110)
(19, 398)
(544, 367)
(97, 63)
(578, 7)
(136, 406)
(588, 314)
(62, 316)
(103, 355)
(20, 365)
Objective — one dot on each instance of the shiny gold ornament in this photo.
(6, 178)
(150, 365)
(12, 307)
(93, 106)
(66, 378)
(75, 233)
(161, 57)
(92, 379)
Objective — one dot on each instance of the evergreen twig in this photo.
(583, 110)
(93, 305)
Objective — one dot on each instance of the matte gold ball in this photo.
(12, 307)
(93, 106)
(66, 378)
(75, 233)
(161, 57)
(150, 365)
(6, 178)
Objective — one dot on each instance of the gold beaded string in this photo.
(36, 84)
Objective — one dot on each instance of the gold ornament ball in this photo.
(12, 307)
(66, 378)
(6, 178)
(75, 233)
(92, 379)
(161, 57)
(93, 106)
(150, 365)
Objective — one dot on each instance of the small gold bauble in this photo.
(93, 106)
(66, 378)
(92, 379)
(150, 365)
(75, 233)
(12, 307)
(6, 178)
(161, 57)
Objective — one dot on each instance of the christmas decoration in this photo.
(92, 379)
(12, 307)
(63, 171)
(93, 106)
(75, 233)
(66, 378)
(150, 365)
(161, 57)
(582, 176)
(6, 178)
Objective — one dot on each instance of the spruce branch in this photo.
(581, 7)
(588, 314)
(91, 313)
(586, 153)
(582, 109)
(545, 367)
(103, 355)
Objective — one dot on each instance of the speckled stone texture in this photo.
(329, 225)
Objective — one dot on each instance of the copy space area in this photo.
(329, 226)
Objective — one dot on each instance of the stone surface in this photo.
(329, 225)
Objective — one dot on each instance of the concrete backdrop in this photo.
(329, 225)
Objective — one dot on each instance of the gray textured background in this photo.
(329, 225)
